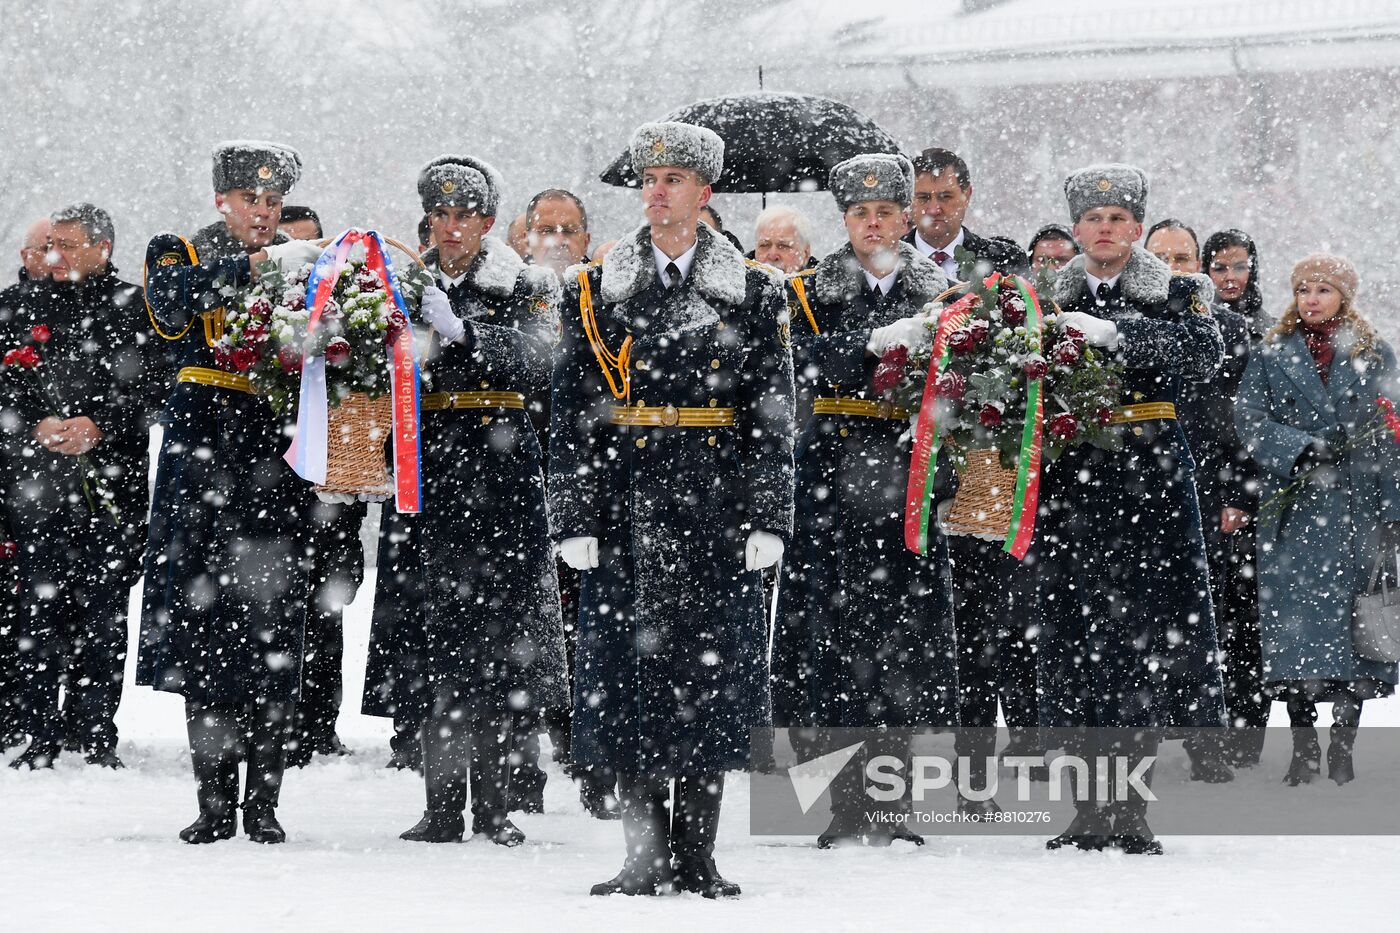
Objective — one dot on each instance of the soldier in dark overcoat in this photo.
(492, 633)
(226, 565)
(671, 482)
(866, 626)
(1127, 634)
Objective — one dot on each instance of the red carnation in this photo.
(330, 310)
(367, 280)
(260, 310)
(23, 357)
(40, 333)
(990, 416)
(890, 369)
(338, 352)
(1035, 367)
(950, 385)
(8, 549)
(243, 359)
(255, 333)
(1064, 426)
(289, 358)
(1104, 416)
(1068, 353)
(297, 301)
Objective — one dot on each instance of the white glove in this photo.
(292, 255)
(1097, 332)
(580, 553)
(762, 550)
(944, 509)
(437, 311)
(912, 332)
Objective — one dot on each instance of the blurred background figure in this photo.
(783, 239)
(516, 237)
(33, 250)
(1052, 247)
(300, 223)
(556, 227)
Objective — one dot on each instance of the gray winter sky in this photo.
(1274, 115)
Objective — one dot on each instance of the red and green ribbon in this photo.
(1027, 495)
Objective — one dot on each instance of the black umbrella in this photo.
(774, 142)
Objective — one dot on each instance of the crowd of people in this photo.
(664, 505)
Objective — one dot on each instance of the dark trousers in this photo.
(1235, 594)
(462, 752)
(337, 570)
(221, 736)
(72, 637)
(996, 655)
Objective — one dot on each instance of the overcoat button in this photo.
(641, 442)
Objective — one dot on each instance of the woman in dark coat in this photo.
(866, 626)
(1308, 408)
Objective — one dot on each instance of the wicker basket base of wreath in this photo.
(983, 504)
(356, 432)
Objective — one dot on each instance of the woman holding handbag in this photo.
(1309, 411)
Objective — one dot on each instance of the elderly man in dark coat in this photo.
(671, 480)
(75, 469)
(492, 637)
(866, 627)
(223, 610)
(1127, 635)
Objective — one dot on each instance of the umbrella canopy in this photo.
(774, 142)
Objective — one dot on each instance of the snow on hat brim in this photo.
(460, 181)
(874, 176)
(254, 164)
(679, 145)
(1111, 184)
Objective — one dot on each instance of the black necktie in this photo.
(673, 273)
(1104, 293)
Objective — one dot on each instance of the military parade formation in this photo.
(664, 506)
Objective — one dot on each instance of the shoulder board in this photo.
(803, 273)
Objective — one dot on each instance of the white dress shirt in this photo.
(1094, 283)
(950, 268)
(682, 262)
(883, 285)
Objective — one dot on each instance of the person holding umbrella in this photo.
(671, 486)
(865, 635)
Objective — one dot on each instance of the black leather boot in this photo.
(646, 830)
(406, 748)
(1131, 834)
(267, 760)
(444, 755)
(694, 823)
(213, 735)
(597, 791)
(849, 804)
(38, 756)
(1346, 718)
(490, 786)
(1092, 825)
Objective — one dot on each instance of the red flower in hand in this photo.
(23, 357)
(990, 416)
(40, 333)
(889, 370)
(338, 352)
(950, 385)
(1064, 426)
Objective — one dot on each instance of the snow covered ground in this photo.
(83, 850)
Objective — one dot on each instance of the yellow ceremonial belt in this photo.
(861, 408)
(669, 416)
(442, 401)
(1145, 411)
(203, 375)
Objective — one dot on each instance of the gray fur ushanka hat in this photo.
(460, 181)
(1110, 184)
(874, 176)
(254, 164)
(683, 145)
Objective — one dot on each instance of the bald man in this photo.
(33, 251)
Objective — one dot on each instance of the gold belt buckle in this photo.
(670, 417)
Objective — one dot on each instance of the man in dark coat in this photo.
(1127, 636)
(671, 481)
(223, 610)
(493, 637)
(865, 634)
(75, 467)
(1225, 477)
(942, 195)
